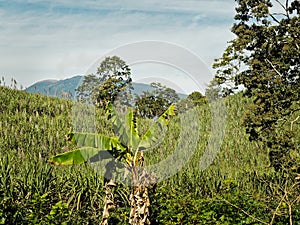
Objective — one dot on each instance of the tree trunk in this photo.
(109, 184)
(139, 197)
(108, 202)
(140, 202)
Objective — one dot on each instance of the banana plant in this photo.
(127, 146)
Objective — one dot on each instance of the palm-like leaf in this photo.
(76, 156)
(93, 147)
(131, 129)
(97, 141)
(154, 133)
(128, 134)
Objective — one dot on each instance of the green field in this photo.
(239, 187)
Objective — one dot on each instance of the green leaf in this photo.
(127, 134)
(94, 147)
(76, 156)
(97, 141)
(153, 134)
(131, 130)
(81, 155)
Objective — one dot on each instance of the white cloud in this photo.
(54, 39)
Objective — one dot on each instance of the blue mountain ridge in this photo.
(58, 88)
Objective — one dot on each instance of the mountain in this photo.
(56, 87)
(59, 88)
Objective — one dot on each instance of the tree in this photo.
(111, 90)
(153, 103)
(126, 146)
(197, 98)
(213, 90)
(111, 81)
(264, 59)
(192, 100)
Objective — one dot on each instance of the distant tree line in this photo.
(112, 83)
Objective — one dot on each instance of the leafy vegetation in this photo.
(126, 146)
(111, 81)
(264, 60)
(239, 183)
(153, 103)
(254, 178)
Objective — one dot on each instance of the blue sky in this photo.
(62, 38)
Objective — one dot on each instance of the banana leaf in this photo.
(79, 156)
(97, 141)
(154, 133)
(128, 134)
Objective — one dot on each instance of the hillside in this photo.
(237, 184)
(57, 87)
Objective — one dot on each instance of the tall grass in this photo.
(32, 191)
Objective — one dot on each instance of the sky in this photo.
(58, 39)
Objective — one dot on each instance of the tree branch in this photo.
(275, 212)
(274, 18)
(281, 4)
(287, 9)
(273, 67)
(292, 122)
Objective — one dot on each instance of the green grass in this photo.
(32, 191)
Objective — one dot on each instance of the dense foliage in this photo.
(153, 103)
(111, 81)
(264, 59)
(239, 187)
